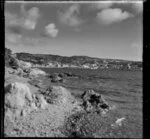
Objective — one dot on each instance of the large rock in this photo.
(93, 101)
(57, 95)
(18, 99)
(56, 78)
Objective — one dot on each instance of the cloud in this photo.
(31, 18)
(70, 16)
(138, 7)
(51, 30)
(110, 16)
(27, 20)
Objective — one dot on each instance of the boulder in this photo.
(18, 99)
(56, 78)
(57, 95)
(93, 101)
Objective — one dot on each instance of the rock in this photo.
(57, 95)
(36, 72)
(93, 101)
(17, 98)
(56, 78)
(40, 102)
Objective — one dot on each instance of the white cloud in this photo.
(110, 16)
(28, 20)
(31, 18)
(70, 16)
(138, 7)
(51, 30)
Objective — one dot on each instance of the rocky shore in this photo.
(33, 110)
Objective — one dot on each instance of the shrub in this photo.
(82, 125)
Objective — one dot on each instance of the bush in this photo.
(82, 125)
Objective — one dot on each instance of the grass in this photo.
(94, 125)
(120, 88)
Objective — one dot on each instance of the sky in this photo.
(97, 29)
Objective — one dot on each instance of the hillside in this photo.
(45, 60)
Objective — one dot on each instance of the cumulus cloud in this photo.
(51, 30)
(110, 16)
(138, 7)
(31, 18)
(27, 20)
(70, 16)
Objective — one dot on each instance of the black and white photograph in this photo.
(73, 69)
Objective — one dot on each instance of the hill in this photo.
(48, 60)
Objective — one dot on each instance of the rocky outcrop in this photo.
(93, 101)
(36, 72)
(56, 77)
(24, 69)
(57, 95)
(60, 77)
(18, 99)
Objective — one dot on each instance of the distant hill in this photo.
(48, 60)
